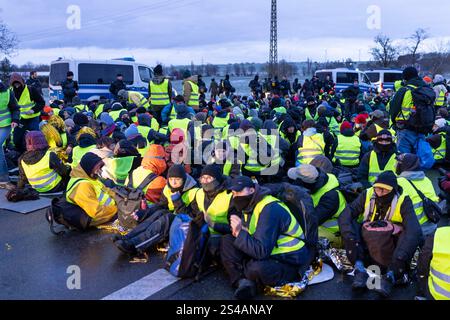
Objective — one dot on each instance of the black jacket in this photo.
(116, 86)
(350, 231)
(13, 107)
(69, 88)
(33, 157)
(35, 83)
(383, 159)
(273, 221)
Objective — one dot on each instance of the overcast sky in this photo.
(214, 31)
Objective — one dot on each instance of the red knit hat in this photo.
(361, 118)
(345, 126)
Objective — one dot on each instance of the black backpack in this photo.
(69, 215)
(422, 119)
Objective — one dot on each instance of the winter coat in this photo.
(116, 86)
(35, 96)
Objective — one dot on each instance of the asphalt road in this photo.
(34, 263)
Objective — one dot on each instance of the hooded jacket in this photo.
(85, 197)
(33, 157)
(383, 159)
(439, 85)
(351, 231)
(13, 107)
(35, 96)
(273, 221)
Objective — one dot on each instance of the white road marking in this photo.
(144, 287)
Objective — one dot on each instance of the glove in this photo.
(175, 197)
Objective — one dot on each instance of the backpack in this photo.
(432, 210)
(187, 247)
(422, 119)
(67, 214)
(129, 199)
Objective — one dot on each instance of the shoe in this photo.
(7, 185)
(385, 288)
(125, 247)
(360, 280)
(117, 237)
(246, 290)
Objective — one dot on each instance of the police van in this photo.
(343, 78)
(95, 76)
(384, 79)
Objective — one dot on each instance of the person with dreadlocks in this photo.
(57, 138)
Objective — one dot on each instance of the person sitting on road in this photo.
(266, 246)
(390, 232)
(381, 158)
(177, 196)
(40, 167)
(412, 180)
(89, 193)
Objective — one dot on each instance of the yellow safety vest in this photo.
(139, 174)
(409, 190)
(187, 197)
(179, 123)
(99, 110)
(159, 93)
(374, 168)
(119, 168)
(289, 241)
(26, 104)
(115, 114)
(407, 105)
(80, 107)
(252, 163)
(144, 131)
(102, 196)
(441, 151)
(440, 100)
(272, 141)
(78, 153)
(313, 146)
(220, 123)
(308, 115)
(348, 150)
(193, 99)
(393, 216)
(218, 210)
(40, 176)
(439, 277)
(5, 115)
(333, 183)
(143, 102)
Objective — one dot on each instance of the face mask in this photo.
(210, 187)
(385, 200)
(384, 147)
(241, 203)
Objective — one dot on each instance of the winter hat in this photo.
(145, 120)
(201, 116)
(246, 125)
(387, 180)
(89, 161)
(131, 131)
(177, 171)
(186, 74)
(214, 171)
(35, 140)
(408, 162)
(441, 123)
(384, 134)
(179, 98)
(158, 70)
(305, 172)
(361, 118)
(427, 79)
(410, 73)
(257, 123)
(345, 126)
(106, 119)
(438, 78)
(322, 162)
(80, 119)
(377, 114)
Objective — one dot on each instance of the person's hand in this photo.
(68, 150)
(236, 225)
(14, 125)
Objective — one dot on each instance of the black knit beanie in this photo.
(213, 170)
(177, 171)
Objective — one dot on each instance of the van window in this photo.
(346, 77)
(94, 73)
(58, 73)
(373, 76)
(392, 77)
(365, 79)
(323, 75)
(144, 74)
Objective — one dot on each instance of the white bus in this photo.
(95, 76)
(384, 78)
(343, 78)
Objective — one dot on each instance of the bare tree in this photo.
(384, 52)
(415, 40)
(439, 58)
(8, 40)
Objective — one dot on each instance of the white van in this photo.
(384, 78)
(95, 76)
(343, 78)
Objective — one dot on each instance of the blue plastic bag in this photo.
(425, 154)
(177, 237)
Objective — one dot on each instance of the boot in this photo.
(246, 290)
(125, 247)
(360, 280)
(386, 286)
